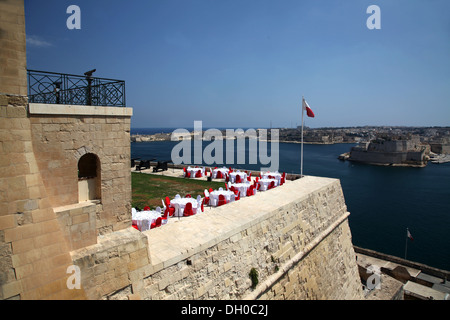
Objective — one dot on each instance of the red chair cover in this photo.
(222, 200)
(188, 210)
(169, 210)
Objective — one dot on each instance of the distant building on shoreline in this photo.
(395, 151)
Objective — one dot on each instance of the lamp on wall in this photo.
(88, 75)
(57, 90)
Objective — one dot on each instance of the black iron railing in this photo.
(60, 88)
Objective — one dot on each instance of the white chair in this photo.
(263, 186)
(178, 213)
(213, 201)
(164, 205)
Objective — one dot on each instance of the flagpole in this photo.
(301, 156)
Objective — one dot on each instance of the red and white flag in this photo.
(306, 107)
(409, 234)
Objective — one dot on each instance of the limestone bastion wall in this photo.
(295, 236)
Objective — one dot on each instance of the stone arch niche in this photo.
(89, 177)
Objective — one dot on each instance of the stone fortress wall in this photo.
(296, 237)
(389, 152)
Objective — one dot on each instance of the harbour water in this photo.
(382, 201)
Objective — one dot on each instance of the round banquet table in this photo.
(233, 175)
(180, 203)
(193, 171)
(242, 187)
(223, 170)
(144, 219)
(264, 183)
(275, 175)
(214, 196)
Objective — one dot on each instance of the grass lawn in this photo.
(150, 189)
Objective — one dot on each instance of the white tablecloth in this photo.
(193, 171)
(264, 183)
(214, 196)
(233, 175)
(275, 175)
(144, 219)
(223, 170)
(242, 187)
(180, 203)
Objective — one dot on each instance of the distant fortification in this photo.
(391, 151)
(65, 192)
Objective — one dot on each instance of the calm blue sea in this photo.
(382, 201)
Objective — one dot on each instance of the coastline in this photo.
(167, 137)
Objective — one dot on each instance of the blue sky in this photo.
(247, 64)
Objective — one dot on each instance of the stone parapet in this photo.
(109, 267)
(77, 110)
(295, 236)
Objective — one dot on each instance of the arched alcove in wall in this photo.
(89, 177)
